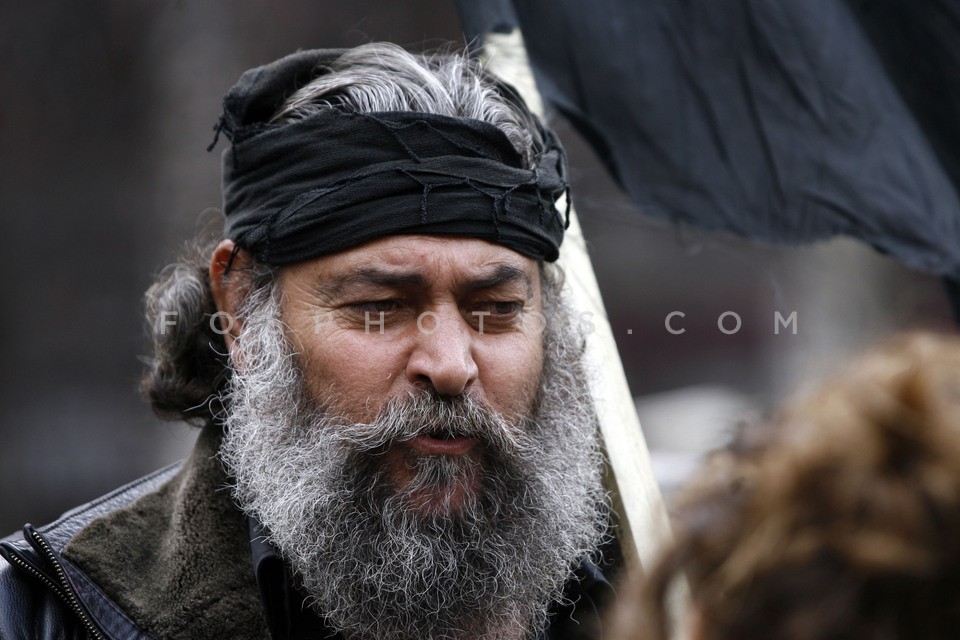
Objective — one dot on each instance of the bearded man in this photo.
(396, 440)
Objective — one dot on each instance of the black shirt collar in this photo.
(285, 609)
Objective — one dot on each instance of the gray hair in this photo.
(380, 76)
(188, 367)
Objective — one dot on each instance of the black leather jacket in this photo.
(43, 595)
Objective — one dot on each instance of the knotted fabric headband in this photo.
(335, 180)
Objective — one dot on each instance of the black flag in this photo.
(780, 120)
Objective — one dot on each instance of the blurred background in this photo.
(106, 114)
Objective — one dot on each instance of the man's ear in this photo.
(229, 287)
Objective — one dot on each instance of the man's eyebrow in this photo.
(366, 276)
(504, 274)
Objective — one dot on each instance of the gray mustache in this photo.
(403, 419)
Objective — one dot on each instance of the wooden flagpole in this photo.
(643, 524)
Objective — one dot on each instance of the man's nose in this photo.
(443, 354)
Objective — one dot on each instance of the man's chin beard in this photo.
(429, 486)
(390, 544)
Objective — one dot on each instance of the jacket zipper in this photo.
(64, 589)
(14, 558)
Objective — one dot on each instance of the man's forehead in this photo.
(427, 260)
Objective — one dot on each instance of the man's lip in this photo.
(430, 446)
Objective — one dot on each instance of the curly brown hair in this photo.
(841, 520)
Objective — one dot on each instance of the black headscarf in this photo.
(331, 181)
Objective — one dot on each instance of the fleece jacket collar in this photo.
(177, 560)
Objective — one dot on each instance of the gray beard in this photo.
(489, 566)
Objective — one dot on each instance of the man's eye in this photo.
(500, 308)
